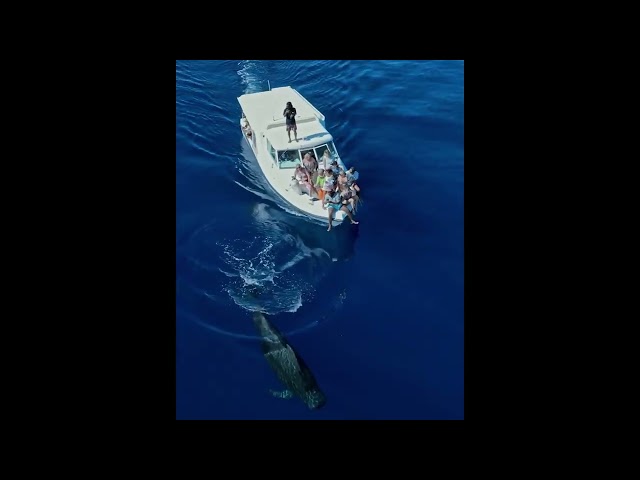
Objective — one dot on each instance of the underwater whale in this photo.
(288, 365)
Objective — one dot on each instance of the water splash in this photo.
(252, 76)
(267, 280)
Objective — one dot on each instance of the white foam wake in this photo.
(250, 74)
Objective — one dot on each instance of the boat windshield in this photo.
(321, 148)
(293, 158)
(289, 158)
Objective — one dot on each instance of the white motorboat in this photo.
(264, 128)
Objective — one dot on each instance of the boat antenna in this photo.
(269, 85)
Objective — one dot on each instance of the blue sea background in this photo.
(375, 310)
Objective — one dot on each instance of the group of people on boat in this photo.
(330, 182)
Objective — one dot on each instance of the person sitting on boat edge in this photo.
(349, 195)
(352, 176)
(334, 201)
(290, 115)
(303, 179)
(295, 185)
(336, 166)
(343, 184)
(246, 128)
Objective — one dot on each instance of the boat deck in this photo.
(264, 109)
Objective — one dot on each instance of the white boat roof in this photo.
(264, 109)
(310, 134)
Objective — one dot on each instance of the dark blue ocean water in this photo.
(376, 310)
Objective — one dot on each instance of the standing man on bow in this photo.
(290, 114)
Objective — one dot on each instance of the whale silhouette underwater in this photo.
(288, 365)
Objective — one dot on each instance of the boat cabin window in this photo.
(289, 158)
(293, 158)
(271, 150)
(305, 151)
(321, 148)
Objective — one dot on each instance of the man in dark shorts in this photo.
(290, 114)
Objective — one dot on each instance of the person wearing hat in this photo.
(290, 115)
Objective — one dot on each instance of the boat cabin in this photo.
(265, 127)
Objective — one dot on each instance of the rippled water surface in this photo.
(376, 310)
